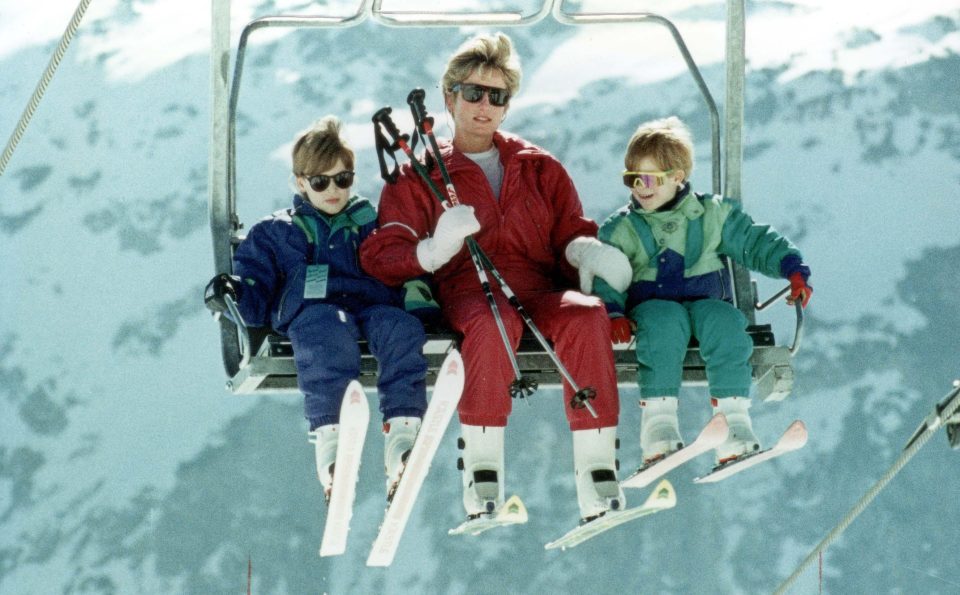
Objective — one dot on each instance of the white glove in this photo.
(593, 258)
(453, 227)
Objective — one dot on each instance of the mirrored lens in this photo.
(644, 180)
(647, 181)
(498, 97)
(474, 93)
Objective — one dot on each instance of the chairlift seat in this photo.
(271, 369)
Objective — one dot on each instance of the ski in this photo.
(661, 498)
(354, 419)
(446, 396)
(793, 438)
(712, 435)
(513, 512)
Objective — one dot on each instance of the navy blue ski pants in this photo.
(324, 339)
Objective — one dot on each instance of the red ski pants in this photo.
(579, 329)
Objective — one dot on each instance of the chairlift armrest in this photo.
(244, 331)
(798, 332)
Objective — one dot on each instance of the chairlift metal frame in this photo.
(257, 360)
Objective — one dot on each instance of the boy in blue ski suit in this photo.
(298, 271)
(674, 239)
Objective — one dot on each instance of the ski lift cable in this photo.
(944, 411)
(41, 87)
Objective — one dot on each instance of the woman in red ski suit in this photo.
(522, 208)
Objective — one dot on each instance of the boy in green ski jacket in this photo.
(674, 239)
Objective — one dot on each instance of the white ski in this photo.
(446, 395)
(661, 498)
(513, 512)
(793, 438)
(354, 419)
(712, 435)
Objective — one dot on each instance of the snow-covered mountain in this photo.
(126, 468)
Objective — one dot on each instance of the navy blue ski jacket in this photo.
(272, 263)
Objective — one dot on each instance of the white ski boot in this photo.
(740, 440)
(325, 439)
(399, 434)
(482, 466)
(659, 428)
(595, 467)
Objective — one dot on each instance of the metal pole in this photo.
(221, 215)
(926, 431)
(733, 139)
(441, 18)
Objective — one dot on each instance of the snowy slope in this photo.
(125, 467)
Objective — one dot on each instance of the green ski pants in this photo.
(664, 329)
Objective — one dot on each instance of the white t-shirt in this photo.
(489, 162)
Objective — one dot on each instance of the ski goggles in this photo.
(320, 183)
(474, 93)
(645, 179)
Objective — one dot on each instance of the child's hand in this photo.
(220, 286)
(620, 329)
(799, 290)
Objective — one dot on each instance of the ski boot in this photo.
(741, 439)
(659, 428)
(399, 434)
(482, 466)
(595, 466)
(325, 439)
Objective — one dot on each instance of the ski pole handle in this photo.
(382, 117)
(424, 124)
(416, 97)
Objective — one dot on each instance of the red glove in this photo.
(620, 329)
(799, 290)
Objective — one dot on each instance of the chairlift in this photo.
(257, 360)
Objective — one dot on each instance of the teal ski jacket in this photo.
(676, 254)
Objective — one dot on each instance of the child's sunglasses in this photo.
(320, 183)
(645, 179)
(474, 93)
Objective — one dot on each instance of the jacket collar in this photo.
(685, 203)
(510, 146)
(356, 213)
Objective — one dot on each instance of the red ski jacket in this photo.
(524, 231)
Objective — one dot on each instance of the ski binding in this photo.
(712, 435)
(793, 438)
(661, 498)
(513, 512)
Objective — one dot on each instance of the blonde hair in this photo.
(667, 141)
(317, 148)
(478, 54)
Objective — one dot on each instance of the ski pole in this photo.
(424, 125)
(521, 387)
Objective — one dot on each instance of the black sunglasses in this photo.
(474, 93)
(320, 183)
